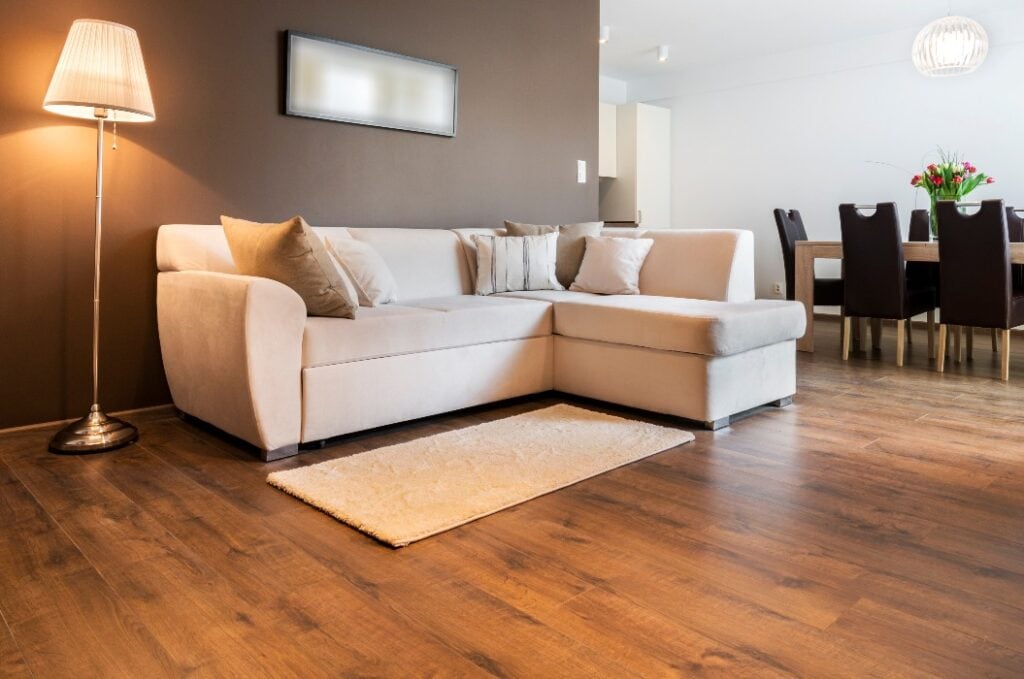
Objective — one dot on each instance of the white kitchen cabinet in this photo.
(606, 144)
(640, 192)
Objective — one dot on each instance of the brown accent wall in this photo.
(527, 111)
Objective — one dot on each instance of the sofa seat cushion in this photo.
(551, 296)
(422, 325)
(687, 325)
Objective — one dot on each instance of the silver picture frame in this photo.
(338, 81)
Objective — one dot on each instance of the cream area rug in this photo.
(410, 491)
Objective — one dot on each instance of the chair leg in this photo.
(876, 333)
(910, 332)
(1006, 356)
(862, 333)
(970, 342)
(847, 331)
(941, 360)
(901, 329)
(931, 334)
(995, 341)
(958, 336)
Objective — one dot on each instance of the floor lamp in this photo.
(100, 76)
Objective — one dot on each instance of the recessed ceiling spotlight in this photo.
(663, 53)
(606, 34)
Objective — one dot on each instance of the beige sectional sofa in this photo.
(241, 354)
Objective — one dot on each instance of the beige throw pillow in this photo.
(514, 263)
(571, 244)
(365, 268)
(292, 254)
(611, 266)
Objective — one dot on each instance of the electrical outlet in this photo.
(777, 289)
(581, 171)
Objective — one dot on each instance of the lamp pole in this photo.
(97, 432)
(101, 116)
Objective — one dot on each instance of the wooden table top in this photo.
(913, 251)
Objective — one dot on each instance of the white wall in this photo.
(612, 91)
(799, 129)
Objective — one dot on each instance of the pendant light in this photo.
(953, 45)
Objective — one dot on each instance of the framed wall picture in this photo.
(333, 80)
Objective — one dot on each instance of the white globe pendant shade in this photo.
(100, 73)
(952, 45)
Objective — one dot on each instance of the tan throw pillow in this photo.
(365, 268)
(292, 254)
(571, 244)
(611, 266)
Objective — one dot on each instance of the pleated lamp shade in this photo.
(101, 74)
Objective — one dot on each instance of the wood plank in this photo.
(64, 617)
(12, 661)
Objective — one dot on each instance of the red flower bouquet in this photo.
(950, 179)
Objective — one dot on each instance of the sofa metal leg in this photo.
(715, 425)
(279, 453)
(782, 402)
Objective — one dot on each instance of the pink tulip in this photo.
(990, 180)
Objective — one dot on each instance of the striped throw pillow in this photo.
(513, 263)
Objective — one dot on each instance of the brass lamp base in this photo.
(97, 432)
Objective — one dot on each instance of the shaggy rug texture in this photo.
(410, 491)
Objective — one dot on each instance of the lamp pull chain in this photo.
(114, 147)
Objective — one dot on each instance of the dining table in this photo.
(808, 251)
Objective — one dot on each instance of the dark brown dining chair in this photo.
(875, 273)
(921, 274)
(976, 275)
(827, 291)
(1015, 229)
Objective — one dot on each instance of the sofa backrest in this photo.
(425, 262)
(698, 264)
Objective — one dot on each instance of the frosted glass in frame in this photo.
(338, 81)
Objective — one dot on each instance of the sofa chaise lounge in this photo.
(241, 354)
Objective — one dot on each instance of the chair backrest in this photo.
(920, 226)
(1015, 229)
(874, 271)
(974, 265)
(921, 273)
(791, 229)
(1014, 225)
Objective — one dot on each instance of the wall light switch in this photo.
(581, 171)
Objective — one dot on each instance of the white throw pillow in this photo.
(611, 266)
(512, 263)
(365, 268)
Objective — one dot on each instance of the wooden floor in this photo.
(874, 528)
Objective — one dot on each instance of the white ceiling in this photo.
(718, 31)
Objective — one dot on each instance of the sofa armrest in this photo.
(716, 265)
(232, 351)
